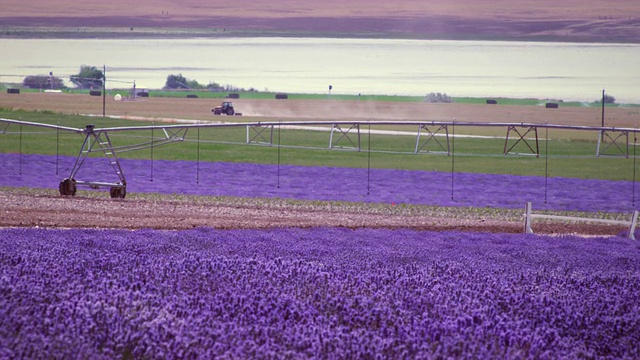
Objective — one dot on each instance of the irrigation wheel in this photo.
(67, 187)
(118, 192)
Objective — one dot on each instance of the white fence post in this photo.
(632, 227)
(527, 220)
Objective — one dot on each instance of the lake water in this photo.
(352, 66)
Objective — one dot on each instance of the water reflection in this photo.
(368, 66)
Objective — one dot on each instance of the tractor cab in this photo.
(225, 108)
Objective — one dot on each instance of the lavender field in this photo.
(319, 292)
(330, 183)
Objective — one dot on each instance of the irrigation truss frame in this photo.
(343, 135)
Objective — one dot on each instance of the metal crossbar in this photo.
(613, 142)
(529, 215)
(98, 141)
(258, 131)
(176, 135)
(431, 135)
(521, 138)
(344, 134)
(306, 123)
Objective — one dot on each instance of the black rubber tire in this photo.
(230, 112)
(67, 187)
(118, 192)
(62, 188)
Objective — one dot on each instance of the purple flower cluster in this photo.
(331, 183)
(318, 292)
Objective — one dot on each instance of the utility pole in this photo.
(104, 89)
(602, 107)
(601, 134)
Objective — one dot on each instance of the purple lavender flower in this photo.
(319, 292)
(330, 183)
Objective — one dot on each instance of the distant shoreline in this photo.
(187, 33)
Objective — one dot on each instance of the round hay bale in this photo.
(117, 97)
(551, 105)
(192, 96)
(282, 96)
(233, 96)
(492, 101)
(13, 91)
(95, 93)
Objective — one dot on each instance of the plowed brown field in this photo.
(318, 110)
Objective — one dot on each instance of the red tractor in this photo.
(225, 108)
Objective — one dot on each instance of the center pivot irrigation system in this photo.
(97, 140)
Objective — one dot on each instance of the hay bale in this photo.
(95, 93)
(282, 96)
(142, 94)
(492, 101)
(233, 96)
(192, 96)
(551, 105)
(13, 91)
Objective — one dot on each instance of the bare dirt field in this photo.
(316, 110)
(590, 20)
(44, 209)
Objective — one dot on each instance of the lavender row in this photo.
(330, 183)
(319, 292)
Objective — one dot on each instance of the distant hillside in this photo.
(572, 20)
